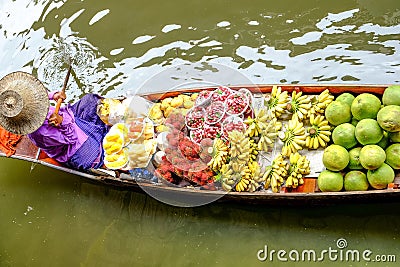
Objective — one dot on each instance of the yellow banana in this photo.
(294, 138)
(277, 101)
(300, 105)
(299, 166)
(318, 136)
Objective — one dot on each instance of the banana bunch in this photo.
(253, 150)
(277, 101)
(299, 104)
(256, 175)
(318, 133)
(250, 179)
(278, 125)
(293, 138)
(275, 174)
(256, 124)
(269, 134)
(219, 152)
(319, 103)
(239, 147)
(244, 181)
(230, 174)
(299, 166)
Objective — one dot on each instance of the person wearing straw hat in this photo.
(72, 136)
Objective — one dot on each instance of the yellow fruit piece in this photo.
(112, 157)
(116, 164)
(155, 112)
(165, 103)
(168, 111)
(161, 128)
(176, 102)
(188, 104)
(112, 137)
(107, 145)
(194, 96)
(121, 127)
(186, 97)
(117, 160)
(155, 107)
(115, 147)
(150, 146)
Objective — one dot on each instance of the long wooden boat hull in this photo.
(190, 196)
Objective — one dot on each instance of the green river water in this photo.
(48, 218)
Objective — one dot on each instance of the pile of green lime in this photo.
(365, 149)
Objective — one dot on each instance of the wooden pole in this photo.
(63, 90)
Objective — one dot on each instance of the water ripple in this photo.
(345, 42)
(99, 16)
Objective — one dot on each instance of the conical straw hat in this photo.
(24, 103)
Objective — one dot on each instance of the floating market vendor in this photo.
(73, 137)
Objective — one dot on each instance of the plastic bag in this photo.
(111, 111)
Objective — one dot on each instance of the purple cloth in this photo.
(77, 142)
(60, 143)
(90, 154)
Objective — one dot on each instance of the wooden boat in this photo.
(305, 195)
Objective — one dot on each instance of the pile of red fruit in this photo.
(185, 160)
(187, 155)
(176, 121)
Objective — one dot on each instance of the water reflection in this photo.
(48, 216)
(349, 41)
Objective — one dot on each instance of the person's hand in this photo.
(55, 120)
(59, 95)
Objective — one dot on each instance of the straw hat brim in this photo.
(24, 103)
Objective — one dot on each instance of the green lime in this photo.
(329, 181)
(391, 95)
(365, 106)
(393, 156)
(381, 177)
(344, 135)
(355, 181)
(354, 162)
(335, 158)
(389, 118)
(372, 157)
(346, 98)
(368, 132)
(337, 113)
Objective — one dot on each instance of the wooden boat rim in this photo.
(295, 86)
